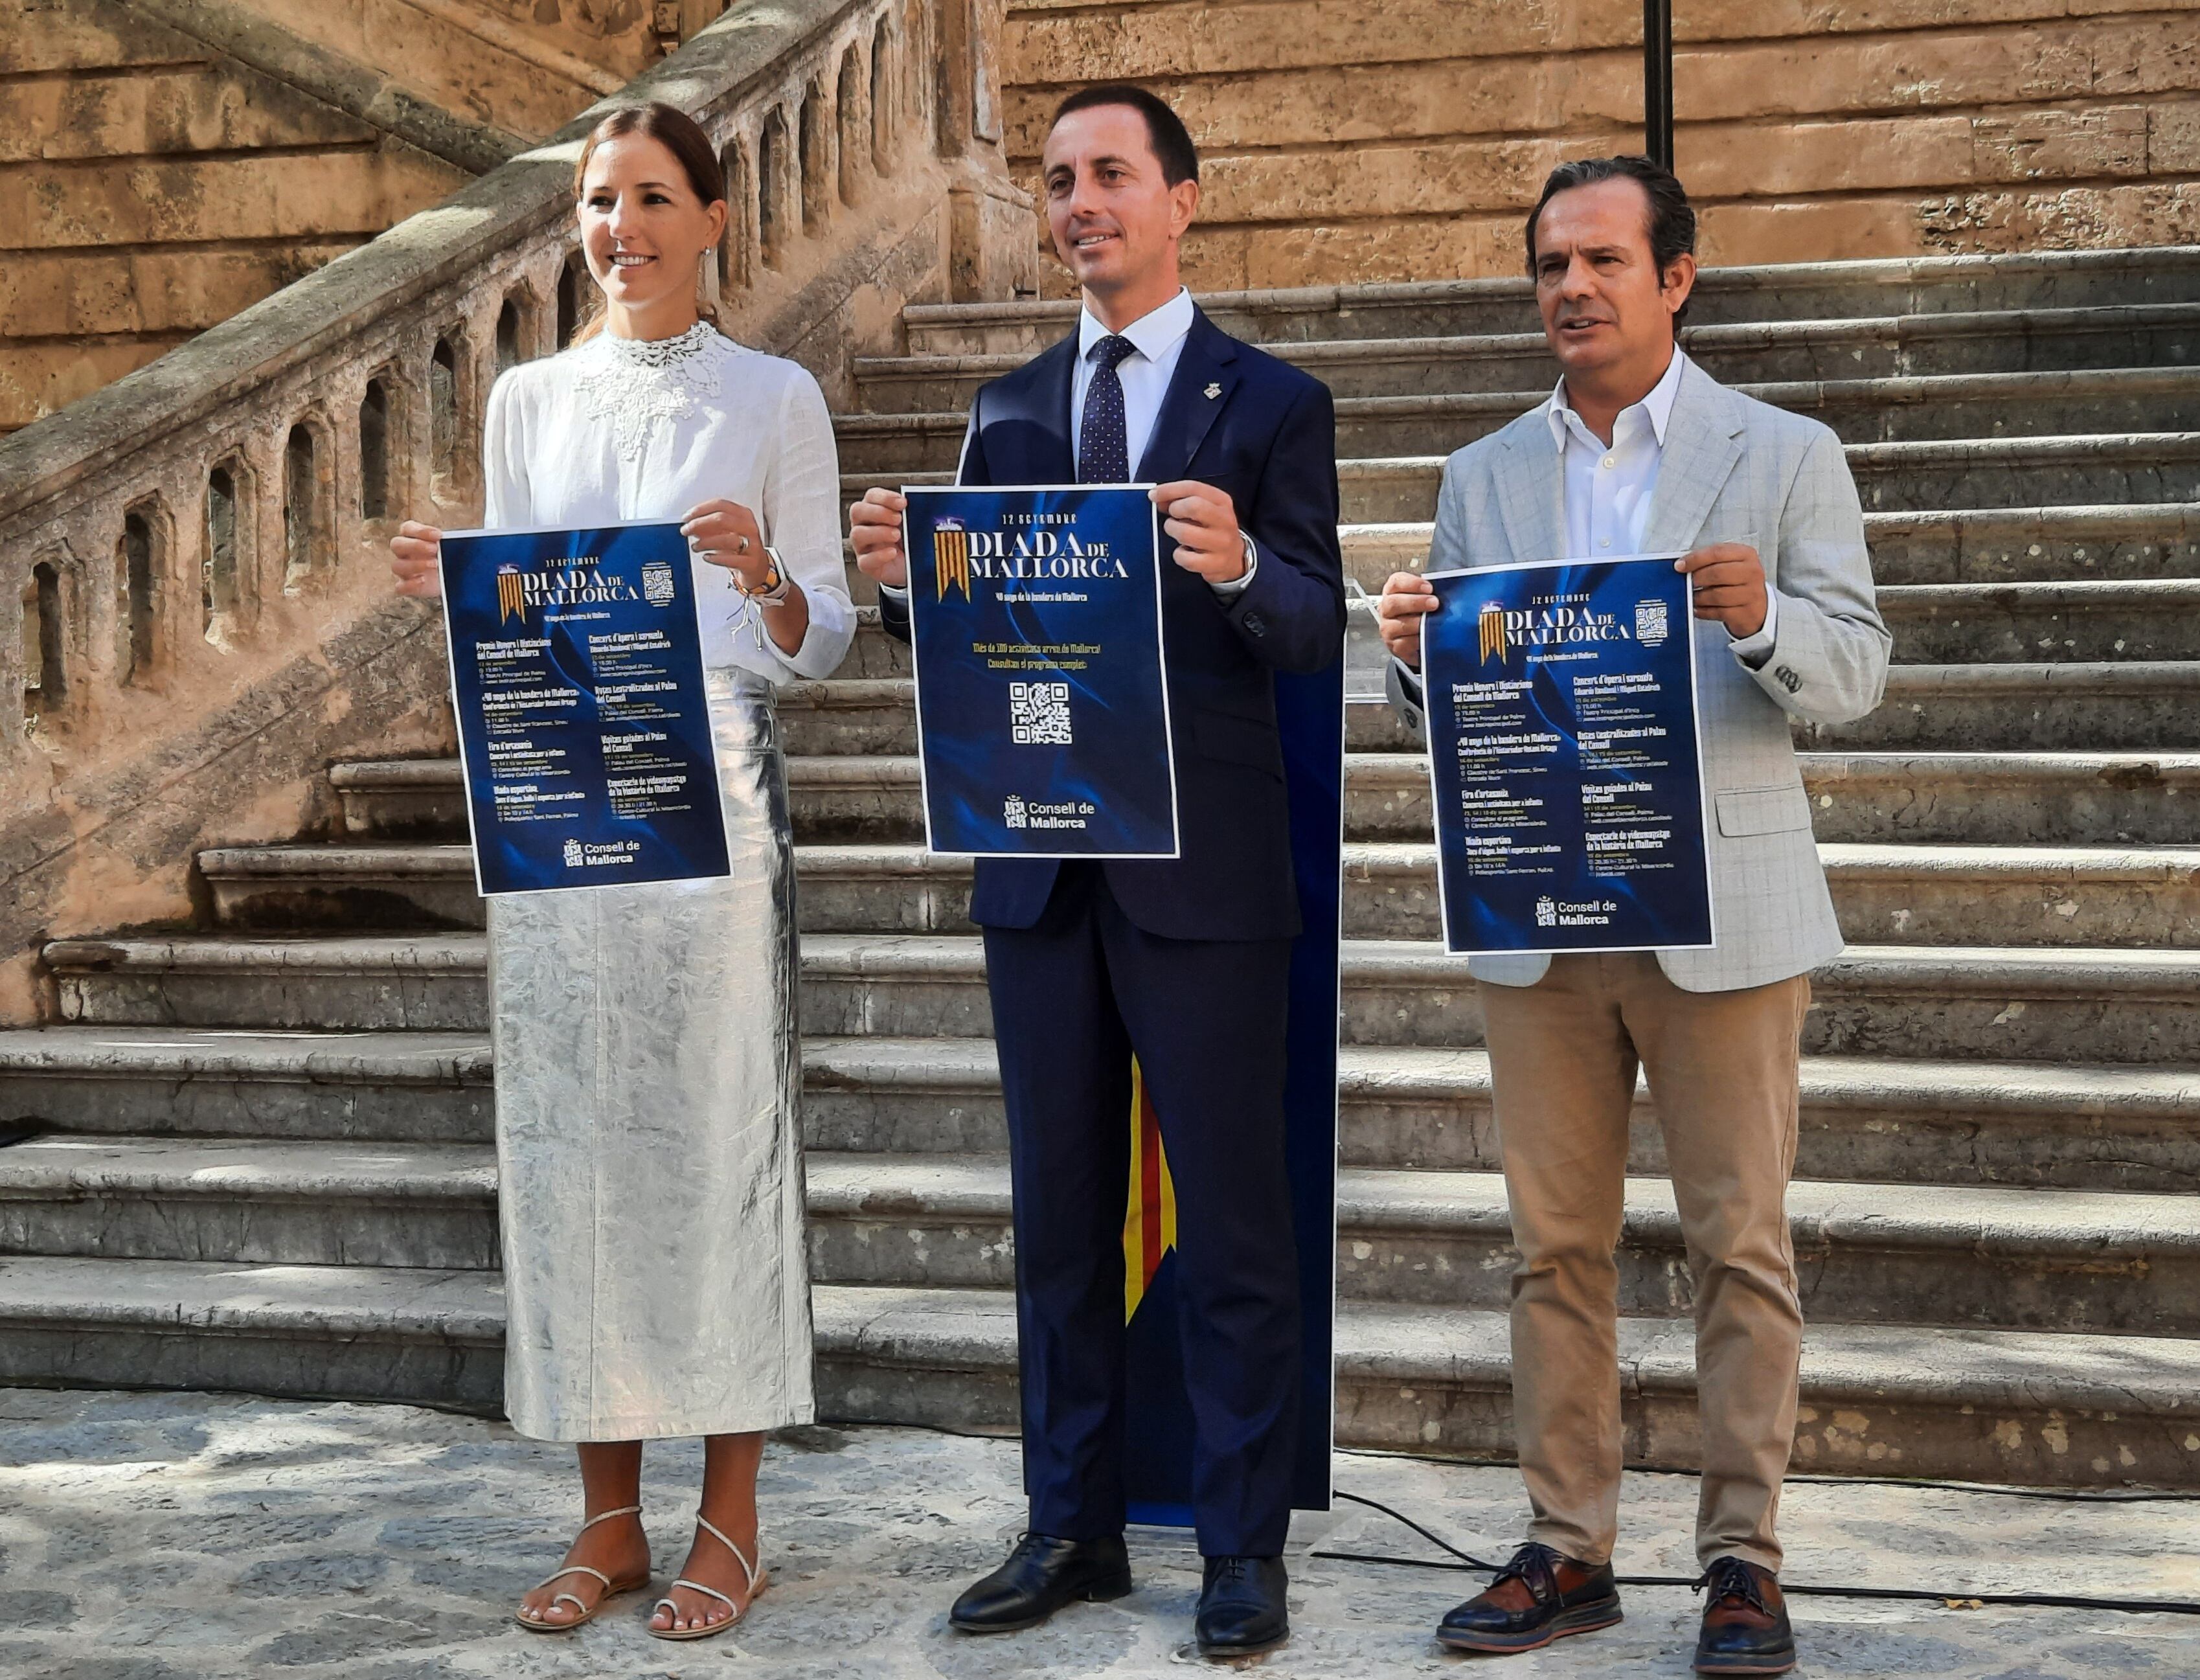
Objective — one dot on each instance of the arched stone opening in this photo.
(740, 218)
(848, 105)
(815, 118)
(45, 640)
(572, 297)
(883, 137)
(225, 558)
(449, 411)
(140, 564)
(378, 452)
(509, 354)
(308, 506)
(771, 187)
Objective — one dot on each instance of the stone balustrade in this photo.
(194, 606)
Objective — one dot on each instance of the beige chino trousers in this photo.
(1723, 1076)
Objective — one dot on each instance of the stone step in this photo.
(2059, 607)
(379, 1087)
(2013, 1407)
(1911, 409)
(396, 797)
(1981, 708)
(2028, 799)
(2082, 1128)
(1866, 1253)
(416, 885)
(414, 1334)
(1979, 547)
(2136, 705)
(1886, 1119)
(1883, 347)
(1920, 478)
(251, 1202)
(1930, 1001)
(411, 982)
(2035, 545)
(2047, 1003)
(1932, 624)
(1915, 894)
(1776, 292)
(2102, 621)
(2023, 1259)
(2024, 1408)
(2015, 708)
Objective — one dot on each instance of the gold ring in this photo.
(744, 541)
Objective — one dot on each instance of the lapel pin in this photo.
(1213, 391)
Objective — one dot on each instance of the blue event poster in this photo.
(1564, 757)
(576, 669)
(1042, 693)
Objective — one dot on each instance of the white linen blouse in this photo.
(626, 429)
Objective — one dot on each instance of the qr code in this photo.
(1039, 714)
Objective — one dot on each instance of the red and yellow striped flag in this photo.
(1149, 1218)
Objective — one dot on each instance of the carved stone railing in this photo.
(194, 610)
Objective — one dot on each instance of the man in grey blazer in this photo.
(1639, 451)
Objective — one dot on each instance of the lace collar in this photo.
(662, 352)
(635, 386)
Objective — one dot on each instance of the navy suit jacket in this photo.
(1268, 437)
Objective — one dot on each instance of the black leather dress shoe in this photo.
(1538, 1597)
(1746, 1629)
(1041, 1576)
(1241, 1607)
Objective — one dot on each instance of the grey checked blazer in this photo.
(1733, 470)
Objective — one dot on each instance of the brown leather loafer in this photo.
(1538, 1597)
(1746, 1629)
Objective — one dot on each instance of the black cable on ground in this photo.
(1467, 1561)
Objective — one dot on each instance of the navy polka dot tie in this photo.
(1103, 447)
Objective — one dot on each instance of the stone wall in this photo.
(164, 163)
(512, 64)
(196, 614)
(1369, 140)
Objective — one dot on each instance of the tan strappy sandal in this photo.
(757, 1583)
(588, 1612)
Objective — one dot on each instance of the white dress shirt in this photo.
(1608, 487)
(1158, 339)
(1146, 374)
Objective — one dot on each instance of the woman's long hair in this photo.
(679, 134)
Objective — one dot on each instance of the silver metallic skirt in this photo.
(647, 1074)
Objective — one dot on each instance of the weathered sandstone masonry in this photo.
(195, 614)
(1370, 140)
(166, 163)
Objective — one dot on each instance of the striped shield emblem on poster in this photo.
(950, 558)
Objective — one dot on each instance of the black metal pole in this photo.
(1658, 80)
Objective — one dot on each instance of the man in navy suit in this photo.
(1183, 961)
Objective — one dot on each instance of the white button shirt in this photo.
(1158, 336)
(1608, 487)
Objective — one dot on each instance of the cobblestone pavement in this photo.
(194, 1536)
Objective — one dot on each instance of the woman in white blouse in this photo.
(647, 1069)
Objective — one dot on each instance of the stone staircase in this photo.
(167, 163)
(272, 1166)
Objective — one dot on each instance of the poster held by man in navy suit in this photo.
(1042, 681)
